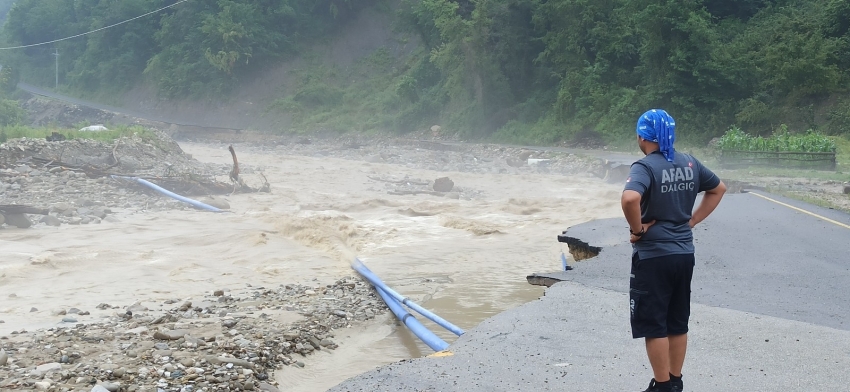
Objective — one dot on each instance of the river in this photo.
(464, 259)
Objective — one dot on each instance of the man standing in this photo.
(658, 203)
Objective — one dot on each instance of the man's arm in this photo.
(630, 202)
(631, 209)
(709, 203)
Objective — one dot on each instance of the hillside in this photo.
(514, 70)
(254, 102)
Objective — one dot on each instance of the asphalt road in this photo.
(771, 313)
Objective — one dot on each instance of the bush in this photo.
(737, 140)
(11, 113)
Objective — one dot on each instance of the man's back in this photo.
(669, 191)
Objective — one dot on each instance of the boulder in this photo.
(19, 220)
(443, 184)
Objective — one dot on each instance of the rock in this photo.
(249, 386)
(69, 320)
(61, 207)
(50, 220)
(42, 385)
(436, 130)
(216, 202)
(99, 388)
(19, 220)
(4, 358)
(169, 334)
(228, 323)
(315, 342)
(98, 213)
(48, 367)
(33, 309)
(218, 293)
(443, 184)
(266, 387)
(111, 387)
(73, 311)
(340, 313)
(93, 128)
(847, 189)
(137, 308)
(225, 360)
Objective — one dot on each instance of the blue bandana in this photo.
(657, 126)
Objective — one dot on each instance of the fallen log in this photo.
(411, 182)
(22, 209)
(234, 173)
(403, 193)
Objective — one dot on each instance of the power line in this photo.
(94, 31)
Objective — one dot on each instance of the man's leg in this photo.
(658, 350)
(678, 347)
(679, 313)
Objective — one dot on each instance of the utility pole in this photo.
(56, 53)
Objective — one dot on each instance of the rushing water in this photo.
(464, 259)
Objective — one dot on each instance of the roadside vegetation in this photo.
(115, 132)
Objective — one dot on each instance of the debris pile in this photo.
(73, 181)
(222, 342)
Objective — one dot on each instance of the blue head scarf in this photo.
(657, 126)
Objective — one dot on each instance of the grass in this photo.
(21, 131)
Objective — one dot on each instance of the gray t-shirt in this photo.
(669, 191)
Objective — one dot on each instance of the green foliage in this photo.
(11, 112)
(198, 48)
(114, 132)
(376, 93)
(9, 78)
(518, 70)
(737, 140)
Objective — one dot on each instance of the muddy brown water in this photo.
(464, 259)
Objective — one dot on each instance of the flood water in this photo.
(464, 259)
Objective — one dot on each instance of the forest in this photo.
(538, 71)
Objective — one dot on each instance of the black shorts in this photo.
(660, 295)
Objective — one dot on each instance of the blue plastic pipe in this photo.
(372, 278)
(412, 323)
(171, 194)
(563, 262)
